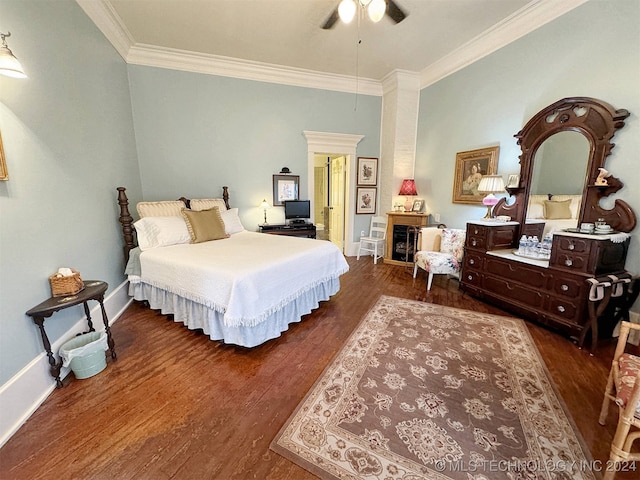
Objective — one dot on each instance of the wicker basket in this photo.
(69, 285)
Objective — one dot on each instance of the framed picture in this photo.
(367, 171)
(470, 167)
(514, 181)
(417, 206)
(4, 175)
(285, 187)
(365, 200)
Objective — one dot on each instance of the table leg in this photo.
(110, 342)
(88, 314)
(54, 366)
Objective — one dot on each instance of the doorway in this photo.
(329, 197)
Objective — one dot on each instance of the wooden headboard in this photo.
(126, 220)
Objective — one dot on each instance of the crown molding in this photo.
(530, 17)
(109, 23)
(152, 56)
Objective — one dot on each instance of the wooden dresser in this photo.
(554, 292)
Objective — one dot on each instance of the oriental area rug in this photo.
(421, 391)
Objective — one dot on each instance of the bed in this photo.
(238, 287)
(558, 212)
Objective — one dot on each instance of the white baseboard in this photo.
(30, 387)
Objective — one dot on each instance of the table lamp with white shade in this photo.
(490, 184)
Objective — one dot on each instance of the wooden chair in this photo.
(375, 241)
(623, 388)
(440, 252)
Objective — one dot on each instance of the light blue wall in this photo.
(68, 140)
(592, 51)
(196, 133)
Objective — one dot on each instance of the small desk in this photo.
(93, 290)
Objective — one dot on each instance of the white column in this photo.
(400, 102)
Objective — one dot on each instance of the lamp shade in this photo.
(408, 187)
(491, 184)
(9, 65)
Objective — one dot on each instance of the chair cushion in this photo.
(629, 368)
(453, 242)
(438, 262)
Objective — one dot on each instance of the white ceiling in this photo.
(285, 36)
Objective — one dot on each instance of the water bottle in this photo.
(546, 246)
(522, 246)
(535, 246)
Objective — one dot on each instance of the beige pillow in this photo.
(204, 225)
(557, 210)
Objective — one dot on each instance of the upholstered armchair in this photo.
(440, 251)
(623, 389)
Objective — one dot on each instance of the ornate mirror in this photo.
(564, 149)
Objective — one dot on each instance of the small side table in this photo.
(93, 290)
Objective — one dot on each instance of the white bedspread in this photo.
(246, 277)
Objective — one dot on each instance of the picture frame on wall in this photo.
(4, 174)
(285, 187)
(367, 171)
(470, 167)
(365, 200)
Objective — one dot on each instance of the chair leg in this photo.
(359, 247)
(375, 254)
(429, 280)
(604, 411)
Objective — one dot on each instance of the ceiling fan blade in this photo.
(331, 21)
(395, 12)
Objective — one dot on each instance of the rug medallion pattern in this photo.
(421, 391)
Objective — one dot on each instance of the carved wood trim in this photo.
(598, 122)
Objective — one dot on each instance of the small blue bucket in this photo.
(85, 354)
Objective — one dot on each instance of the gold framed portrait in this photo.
(470, 167)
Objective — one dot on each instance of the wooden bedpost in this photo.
(225, 196)
(127, 222)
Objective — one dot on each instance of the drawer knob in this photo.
(472, 262)
(568, 262)
(561, 309)
(572, 246)
(473, 242)
(469, 277)
(564, 287)
(475, 231)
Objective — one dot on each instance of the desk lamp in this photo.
(265, 205)
(408, 189)
(490, 184)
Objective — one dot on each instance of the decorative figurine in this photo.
(602, 177)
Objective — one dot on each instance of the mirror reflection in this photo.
(558, 177)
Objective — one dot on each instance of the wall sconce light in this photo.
(9, 64)
(490, 184)
(408, 189)
(265, 205)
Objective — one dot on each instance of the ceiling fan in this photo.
(376, 9)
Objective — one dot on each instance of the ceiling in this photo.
(285, 36)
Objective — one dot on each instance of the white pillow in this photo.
(161, 232)
(232, 223)
(198, 204)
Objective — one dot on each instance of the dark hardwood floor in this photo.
(178, 405)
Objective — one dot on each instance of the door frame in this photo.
(338, 144)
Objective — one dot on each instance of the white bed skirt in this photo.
(197, 316)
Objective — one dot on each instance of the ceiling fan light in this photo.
(376, 10)
(347, 10)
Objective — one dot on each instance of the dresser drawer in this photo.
(567, 286)
(513, 291)
(529, 275)
(571, 261)
(472, 260)
(471, 277)
(565, 308)
(566, 244)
